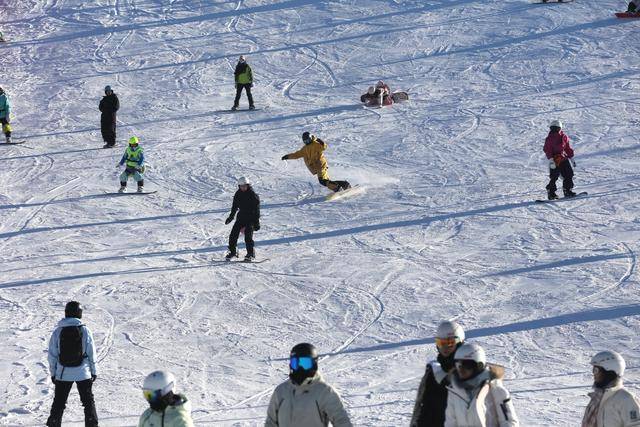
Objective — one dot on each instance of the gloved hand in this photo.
(256, 226)
(93, 378)
(285, 157)
(573, 162)
(53, 380)
(228, 220)
(250, 84)
(552, 164)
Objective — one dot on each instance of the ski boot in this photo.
(551, 195)
(140, 190)
(569, 193)
(249, 257)
(230, 255)
(122, 189)
(8, 139)
(252, 107)
(234, 108)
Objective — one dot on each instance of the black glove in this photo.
(53, 380)
(93, 378)
(256, 226)
(250, 84)
(285, 157)
(228, 220)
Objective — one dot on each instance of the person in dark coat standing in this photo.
(431, 401)
(244, 80)
(72, 359)
(247, 204)
(108, 107)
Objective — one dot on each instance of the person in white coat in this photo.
(477, 397)
(611, 405)
(305, 400)
(166, 408)
(72, 358)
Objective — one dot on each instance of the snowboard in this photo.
(400, 96)
(552, 1)
(131, 193)
(627, 15)
(236, 260)
(13, 143)
(354, 190)
(578, 195)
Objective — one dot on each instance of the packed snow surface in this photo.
(448, 227)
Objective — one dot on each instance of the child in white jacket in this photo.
(477, 397)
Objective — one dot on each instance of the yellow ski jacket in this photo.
(313, 155)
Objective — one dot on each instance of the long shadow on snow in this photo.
(556, 264)
(269, 7)
(528, 325)
(54, 153)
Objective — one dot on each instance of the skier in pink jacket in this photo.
(560, 155)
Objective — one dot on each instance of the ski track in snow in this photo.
(448, 227)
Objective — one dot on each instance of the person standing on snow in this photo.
(134, 158)
(5, 115)
(108, 106)
(560, 155)
(313, 155)
(431, 401)
(611, 404)
(244, 80)
(305, 399)
(72, 358)
(247, 202)
(166, 408)
(476, 396)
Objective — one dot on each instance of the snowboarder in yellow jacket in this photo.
(313, 155)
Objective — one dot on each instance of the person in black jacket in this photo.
(247, 202)
(431, 401)
(108, 106)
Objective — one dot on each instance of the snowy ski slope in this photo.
(447, 228)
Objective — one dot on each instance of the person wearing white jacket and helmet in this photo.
(166, 408)
(476, 396)
(72, 358)
(305, 400)
(611, 404)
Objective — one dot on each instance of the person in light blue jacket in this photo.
(72, 358)
(5, 115)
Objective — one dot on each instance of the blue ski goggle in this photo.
(152, 396)
(305, 363)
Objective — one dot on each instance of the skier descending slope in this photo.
(5, 115)
(247, 202)
(134, 158)
(560, 155)
(313, 155)
(431, 401)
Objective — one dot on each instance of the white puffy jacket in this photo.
(487, 405)
(618, 408)
(72, 373)
(314, 403)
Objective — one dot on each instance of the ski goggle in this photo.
(305, 363)
(446, 342)
(152, 395)
(469, 365)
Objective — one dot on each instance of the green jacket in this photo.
(176, 415)
(243, 73)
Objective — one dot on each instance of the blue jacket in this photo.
(5, 106)
(72, 373)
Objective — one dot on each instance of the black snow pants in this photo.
(248, 237)
(566, 171)
(108, 127)
(60, 402)
(247, 88)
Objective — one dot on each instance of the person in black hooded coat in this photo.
(247, 204)
(108, 106)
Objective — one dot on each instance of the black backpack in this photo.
(71, 353)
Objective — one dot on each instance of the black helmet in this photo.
(1, 91)
(303, 362)
(306, 137)
(73, 309)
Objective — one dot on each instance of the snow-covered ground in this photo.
(446, 230)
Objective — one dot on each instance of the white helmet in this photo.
(158, 384)
(371, 90)
(471, 351)
(449, 329)
(556, 123)
(243, 181)
(609, 361)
